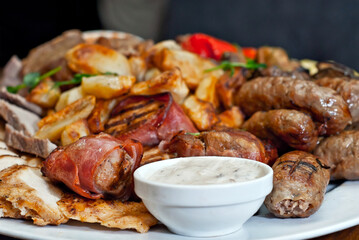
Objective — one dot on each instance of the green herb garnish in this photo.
(75, 80)
(194, 134)
(31, 80)
(229, 66)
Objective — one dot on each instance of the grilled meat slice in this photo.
(323, 104)
(19, 118)
(290, 126)
(341, 152)
(25, 193)
(109, 213)
(148, 119)
(299, 183)
(348, 89)
(24, 143)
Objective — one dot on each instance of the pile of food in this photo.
(93, 107)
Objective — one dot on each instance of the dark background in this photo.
(317, 29)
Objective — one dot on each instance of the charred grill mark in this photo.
(134, 114)
(321, 164)
(130, 119)
(294, 165)
(136, 106)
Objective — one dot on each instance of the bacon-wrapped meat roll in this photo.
(96, 166)
(148, 119)
(324, 105)
(299, 183)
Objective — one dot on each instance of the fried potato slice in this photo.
(151, 73)
(232, 118)
(68, 97)
(169, 81)
(202, 113)
(74, 132)
(44, 94)
(25, 193)
(138, 67)
(107, 86)
(192, 66)
(97, 59)
(206, 90)
(52, 126)
(101, 114)
(109, 213)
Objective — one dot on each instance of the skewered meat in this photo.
(341, 152)
(299, 183)
(148, 119)
(96, 166)
(290, 126)
(220, 142)
(348, 89)
(323, 104)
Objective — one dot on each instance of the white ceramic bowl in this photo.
(202, 210)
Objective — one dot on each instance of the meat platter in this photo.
(98, 105)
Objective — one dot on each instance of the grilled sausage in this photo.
(341, 152)
(290, 126)
(348, 89)
(323, 104)
(299, 183)
(220, 142)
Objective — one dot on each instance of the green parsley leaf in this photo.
(229, 66)
(194, 134)
(77, 79)
(31, 80)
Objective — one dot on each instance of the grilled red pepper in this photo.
(207, 46)
(250, 52)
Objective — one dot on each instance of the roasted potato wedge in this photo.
(202, 113)
(97, 59)
(52, 126)
(68, 97)
(151, 73)
(100, 115)
(232, 118)
(74, 132)
(107, 86)
(138, 67)
(206, 90)
(169, 81)
(192, 66)
(44, 94)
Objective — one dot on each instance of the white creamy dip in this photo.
(207, 171)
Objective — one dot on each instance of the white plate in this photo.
(339, 211)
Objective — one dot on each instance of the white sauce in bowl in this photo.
(207, 171)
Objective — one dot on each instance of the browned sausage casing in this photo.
(348, 89)
(299, 183)
(323, 104)
(220, 142)
(291, 126)
(342, 154)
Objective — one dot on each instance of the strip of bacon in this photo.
(96, 166)
(148, 119)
